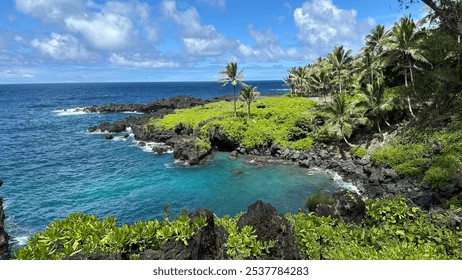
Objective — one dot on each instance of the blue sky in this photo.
(43, 41)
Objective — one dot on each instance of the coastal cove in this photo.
(53, 167)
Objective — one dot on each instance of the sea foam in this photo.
(72, 112)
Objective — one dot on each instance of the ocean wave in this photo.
(72, 112)
(132, 112)
(120, 138)
(149, 146)
(6, 203)
(98, 131)
(21, 240)
(338, 180)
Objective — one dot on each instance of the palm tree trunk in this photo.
(344, 137)
(339, 83)
(380, 130)
(235, 114)
(248, 109)
(408, 98)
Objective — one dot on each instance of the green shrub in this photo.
(319, 197)
(275, 120)
(391, 231)
(203, 145)
(305, 144)
(358, 152)
(394, 155)
(412, 167)
(244, 243)
(80, 233)
(442, 170)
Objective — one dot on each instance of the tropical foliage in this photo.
(248, 95)
(80, 233)
(391, 229)
(233, 76)
(282, 120)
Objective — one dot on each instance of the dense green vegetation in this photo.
(282, 120)
(408, 77)
(80, 233)
(390, 230)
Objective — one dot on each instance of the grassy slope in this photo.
(434, 154)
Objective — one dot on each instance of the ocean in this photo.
(51, 166)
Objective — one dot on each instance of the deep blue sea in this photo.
(51, 166)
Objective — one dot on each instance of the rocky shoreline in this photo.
(373, 181)
(4, 238)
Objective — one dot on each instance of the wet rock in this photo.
(109, 137)
(269, 225)
(347, 207)
(187, 149)
(390, 173)
(161, 149)
(233, 155)
(4, 238)
(206, 244)
(1, 183)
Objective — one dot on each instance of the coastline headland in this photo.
(372, 180)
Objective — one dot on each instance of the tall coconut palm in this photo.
(231, 75)
(301, 79)
(402, 47)
(340, 60)
(342, 115)
(369, 67)
(249, 94)
(376, 103)
(376, 41)
(321, 80)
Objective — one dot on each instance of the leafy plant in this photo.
(319, 197)
(80, 233)
(244, 243)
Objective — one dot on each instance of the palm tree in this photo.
(342, 115)
(376, 103)
(403, 38)
(301, 80)
(249, 94)
(369, 67)
(375, 41)
(231, 75)
(340, 60)
(321, 80)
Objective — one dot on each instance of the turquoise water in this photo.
(52, 166)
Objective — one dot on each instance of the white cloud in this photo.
(322, 25)
(62, 47)
(108, 32)
(140, 62)
(200, 40)
(267, 47)
(50, 10)
(14, 74)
